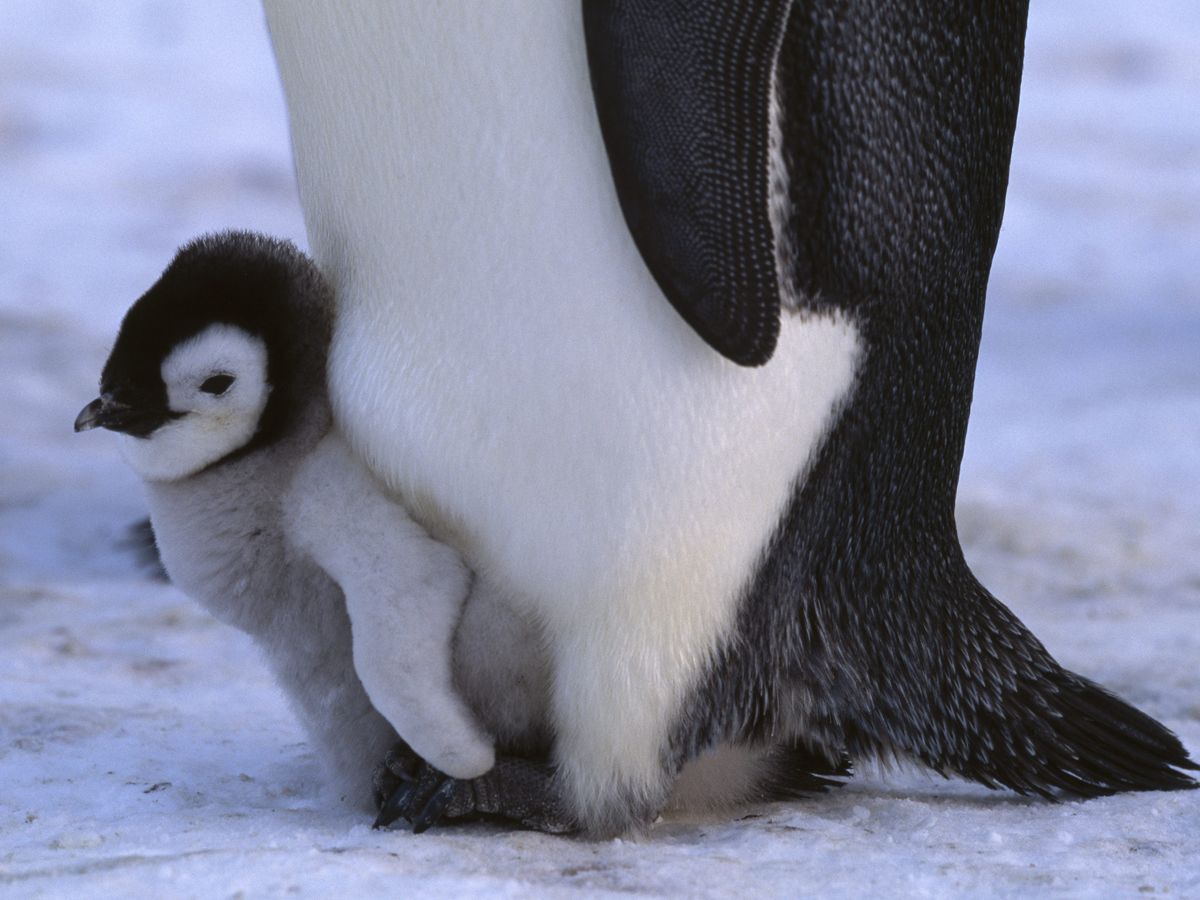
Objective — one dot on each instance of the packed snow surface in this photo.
(143, 748)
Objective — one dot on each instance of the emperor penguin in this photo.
(216, 383)
(666, 316)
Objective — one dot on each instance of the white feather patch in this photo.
(209, 427)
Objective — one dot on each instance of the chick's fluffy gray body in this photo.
(228, 538)
(222, 541)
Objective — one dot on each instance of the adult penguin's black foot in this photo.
(515, 791)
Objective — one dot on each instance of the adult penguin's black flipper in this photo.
(683, 92)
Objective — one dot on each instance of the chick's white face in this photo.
(217, 388)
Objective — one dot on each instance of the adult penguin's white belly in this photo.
(504, 359)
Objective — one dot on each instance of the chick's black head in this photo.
(266, 288)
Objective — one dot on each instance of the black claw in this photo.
(401, 761)
(399, 767)
(432, 812)
(396, 805)
(516, 791)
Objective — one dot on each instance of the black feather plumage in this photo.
(864, 629)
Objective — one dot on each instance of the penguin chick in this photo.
(217, 385)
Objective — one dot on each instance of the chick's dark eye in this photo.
(216, 384)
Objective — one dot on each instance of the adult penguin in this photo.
(733, 518)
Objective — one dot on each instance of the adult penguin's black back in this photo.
(864, 629)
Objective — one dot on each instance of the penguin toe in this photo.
(400, 766)
(426, 798)
(516, 792)
(435, 807)
(395, 805)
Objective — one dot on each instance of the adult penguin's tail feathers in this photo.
(982, 698)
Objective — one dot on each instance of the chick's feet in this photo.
(515, 791)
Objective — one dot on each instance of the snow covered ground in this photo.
(144, 750)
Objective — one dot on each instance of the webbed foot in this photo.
(515, 791)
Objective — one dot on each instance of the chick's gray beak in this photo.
(90, 416)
